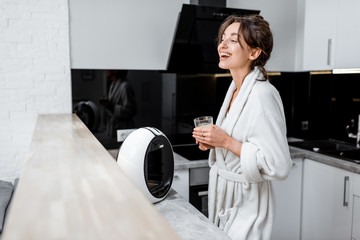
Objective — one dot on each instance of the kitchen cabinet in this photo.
(328, 33)
(310, 34)
(327, 202)
(186, 178)
(355, 230)
(287, 196)
(319, 34)
(181, 183)
(331, 32)
(348, 34)
(199, 176)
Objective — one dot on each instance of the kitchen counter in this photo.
(71, 188)
(332, 161)
(187, 220)
(183, 163)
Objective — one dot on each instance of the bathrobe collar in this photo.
(227, 121)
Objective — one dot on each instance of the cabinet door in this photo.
(327, 202)
(287, 196)
(355, 233)
(348, 35)
(319, 34)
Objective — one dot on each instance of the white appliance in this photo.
(147, 157)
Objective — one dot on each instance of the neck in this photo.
(239, 76)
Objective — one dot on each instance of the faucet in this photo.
(352, 135)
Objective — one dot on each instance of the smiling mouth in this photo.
(224, 55)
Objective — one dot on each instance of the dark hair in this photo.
(257, 34)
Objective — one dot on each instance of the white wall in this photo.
(34, 73)
(282, 17)
(119, 34)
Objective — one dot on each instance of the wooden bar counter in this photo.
(71, 188)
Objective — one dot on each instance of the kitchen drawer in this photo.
(181, 183)
(199, 176)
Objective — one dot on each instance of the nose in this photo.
(223, 44)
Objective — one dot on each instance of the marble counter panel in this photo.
(183, 163)
(186, 220)
(332, 161)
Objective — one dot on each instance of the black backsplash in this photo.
(319, 106)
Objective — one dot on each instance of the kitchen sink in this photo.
(332, 148)
(322, 145)
(350, 155)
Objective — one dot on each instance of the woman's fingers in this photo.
(202, 147)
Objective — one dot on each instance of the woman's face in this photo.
(232, 55)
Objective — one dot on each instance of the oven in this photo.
(198, 177)
(199, 198)
(198, 191)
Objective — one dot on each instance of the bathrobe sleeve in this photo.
(265, 153)
(125, 106)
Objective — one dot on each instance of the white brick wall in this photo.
(34, 73)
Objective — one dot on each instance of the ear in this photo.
(255, 53)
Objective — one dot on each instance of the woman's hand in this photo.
(210, 137)
(204, 147)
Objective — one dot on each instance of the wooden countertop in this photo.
(71, 188)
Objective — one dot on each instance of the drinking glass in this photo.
(204, 121)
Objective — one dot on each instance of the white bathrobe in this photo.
(240, 196)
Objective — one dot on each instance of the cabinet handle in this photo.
(345, 203)
(329, 51)
(176, 176)
(203, 193)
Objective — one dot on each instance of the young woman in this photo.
(248, 143)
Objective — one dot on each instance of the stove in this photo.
(191, 152)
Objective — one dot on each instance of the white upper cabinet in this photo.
(310, 34)
(331, 34)
(320, 21)
(348, 35)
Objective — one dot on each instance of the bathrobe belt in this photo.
(216, 199)
(231, 176)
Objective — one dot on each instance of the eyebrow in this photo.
(232, 34)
